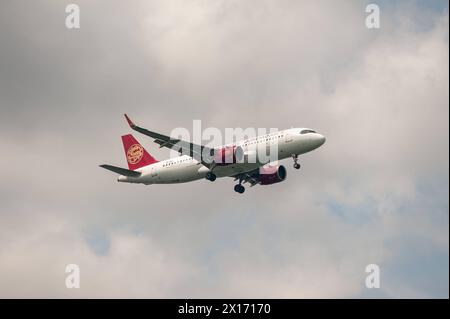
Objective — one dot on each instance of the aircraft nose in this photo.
(320, 140)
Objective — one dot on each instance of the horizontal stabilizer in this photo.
(121, 171)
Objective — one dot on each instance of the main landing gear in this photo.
(296, 164)
(239, 188)
(210, 176)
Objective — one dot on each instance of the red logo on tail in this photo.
(135, 153)
(137, 156)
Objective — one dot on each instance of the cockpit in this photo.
(306, 131)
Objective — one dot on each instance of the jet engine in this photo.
(272, 174)
(227, 155)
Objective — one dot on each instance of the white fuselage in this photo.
(184, 168)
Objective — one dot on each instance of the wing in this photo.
(193, 150)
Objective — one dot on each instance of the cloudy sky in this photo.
(376, 192)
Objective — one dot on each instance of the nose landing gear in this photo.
(296, 164)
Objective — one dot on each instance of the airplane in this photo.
(202, 162)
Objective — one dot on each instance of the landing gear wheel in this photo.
(211, 176)
(295, 158)
(239, 188)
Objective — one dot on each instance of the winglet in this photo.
(130, 122)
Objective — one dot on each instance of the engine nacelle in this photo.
(250, 156)
(227, 155)
(272, 174)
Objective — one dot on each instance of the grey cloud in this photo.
(380, 97)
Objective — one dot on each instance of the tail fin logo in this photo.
(135, 153)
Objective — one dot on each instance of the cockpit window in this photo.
(307, 131)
